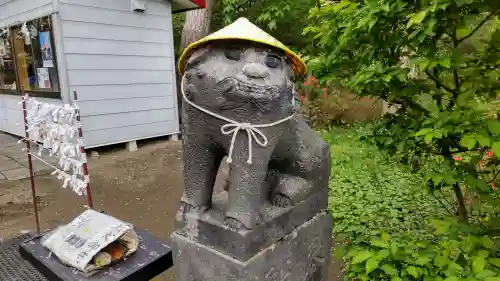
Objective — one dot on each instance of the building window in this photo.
(7, 67)
(29, 59)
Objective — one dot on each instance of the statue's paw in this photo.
(234, 224)
(187, 208)
(281, 201)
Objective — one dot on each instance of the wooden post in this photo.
(30, 162)
(82, 151)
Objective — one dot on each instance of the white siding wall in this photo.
(11, 114)
(13, 119)
(12, 12)
(121, 64)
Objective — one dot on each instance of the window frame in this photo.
(35, 92)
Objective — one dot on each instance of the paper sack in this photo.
(77, 243)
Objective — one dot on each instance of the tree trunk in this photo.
(196, 26)
(462, 210)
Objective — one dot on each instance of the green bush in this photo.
(438, 61)
(450, 253)
(388, 227)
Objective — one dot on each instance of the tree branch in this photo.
(457, 151)
(446, 200)
(477, 28)
(442, 204)
(462, 210)
(438, 83)
(241, 5)
(412, 104)
(456, 77)
(495, 176)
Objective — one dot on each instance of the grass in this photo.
(370, 193)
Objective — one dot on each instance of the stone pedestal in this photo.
(301, 255)
(273, 223)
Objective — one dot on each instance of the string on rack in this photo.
(70, 156)
(57, 129)
(78, 185)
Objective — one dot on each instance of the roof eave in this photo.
(187, 5)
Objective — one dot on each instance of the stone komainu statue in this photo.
(238, 87)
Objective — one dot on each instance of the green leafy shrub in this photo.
(387, 227)
(438, 60)
(450, 253)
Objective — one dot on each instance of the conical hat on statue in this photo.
(243, 29)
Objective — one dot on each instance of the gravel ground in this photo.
(142, 187)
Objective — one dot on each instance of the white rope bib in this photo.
(234, 127)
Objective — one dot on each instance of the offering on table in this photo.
(92, 241)
(114, 252)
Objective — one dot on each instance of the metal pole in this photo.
(82, 151)
(30, 162)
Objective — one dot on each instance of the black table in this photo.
(151, 259)
(12, 266)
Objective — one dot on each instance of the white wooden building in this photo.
(118, 55)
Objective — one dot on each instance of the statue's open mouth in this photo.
(233, 87)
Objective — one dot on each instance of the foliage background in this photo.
(438, 61)
(388, 227)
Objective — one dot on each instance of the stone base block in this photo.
(302, 255)
(272, 225)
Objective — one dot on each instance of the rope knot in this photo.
(245, 126)
(253, 134)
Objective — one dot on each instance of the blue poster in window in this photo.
(46, 48)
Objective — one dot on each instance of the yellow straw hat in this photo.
(243, 29)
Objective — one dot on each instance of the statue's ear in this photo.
(289, 69)
(198, 56)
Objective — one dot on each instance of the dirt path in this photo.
(142, 187)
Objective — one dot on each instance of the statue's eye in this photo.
(233, 54)
(273, 61)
